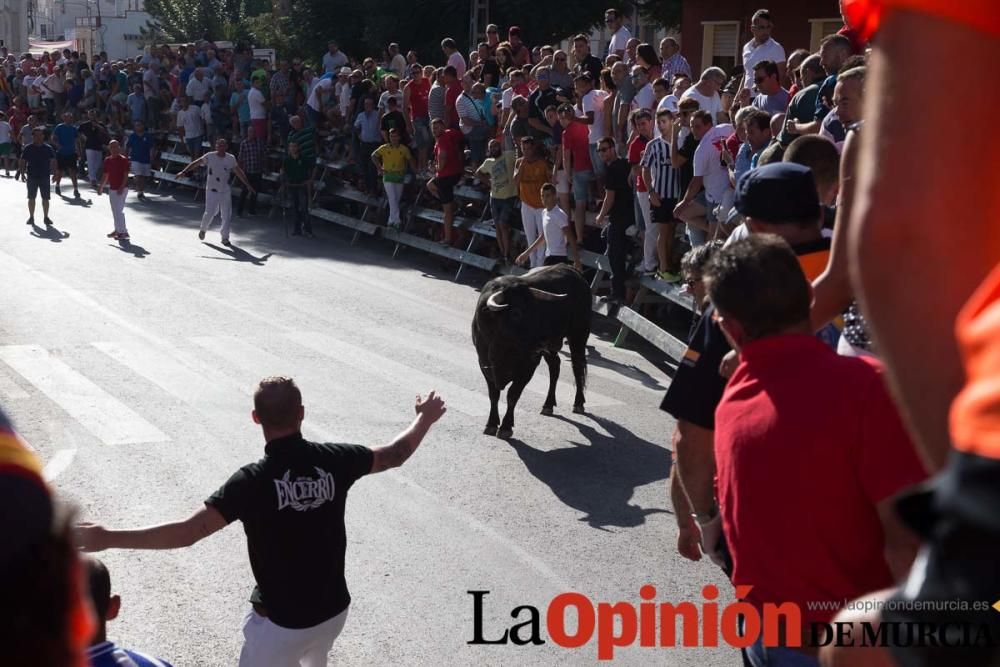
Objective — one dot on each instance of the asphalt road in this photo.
(130, 370)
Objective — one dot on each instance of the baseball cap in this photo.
(669, 103)
(779, 192)
(345, 71)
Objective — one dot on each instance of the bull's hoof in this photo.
(547, 410)
(578, 409)
(505, 433)
(490, 430)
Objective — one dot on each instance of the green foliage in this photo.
(365, 27)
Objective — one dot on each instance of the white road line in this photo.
(99, 412)
(191, 382)
(58, 464)
(9, 391)
(401, 375)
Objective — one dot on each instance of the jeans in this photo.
(531, 220)
(618, 254)
(194, 146)
(298, 197)
(255, 181)
(118, 209)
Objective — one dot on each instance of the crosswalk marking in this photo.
(401, 375)
(9, 391)
(96, 410)
(203, 388)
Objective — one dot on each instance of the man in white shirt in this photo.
(315, 103)
(397, 63)
(455, 58)
(619, 33)
(198, 89)
(706, 91)
(334, 58)
(761, 47)
(258, 109)
(221, 165)
(645, 97)
(697, 208)
(190, 126)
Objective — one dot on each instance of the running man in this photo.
(218, 195)
(115, 177)
(291, 503)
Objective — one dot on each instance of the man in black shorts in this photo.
(291, 503)
(449, 165)
(38, 164)
(664, 183)
(65, 138)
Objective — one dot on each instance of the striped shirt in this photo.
(435, 102)
(106, 654)
(666, 179)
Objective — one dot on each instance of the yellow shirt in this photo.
(394, 161)
(533, 176)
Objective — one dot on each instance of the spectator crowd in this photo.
(736, 184)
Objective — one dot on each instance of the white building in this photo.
(14, 25)
(93, 25)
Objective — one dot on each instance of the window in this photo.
(720, 45)
(43, 31)
(820, 28)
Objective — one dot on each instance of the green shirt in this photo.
(306, 139)
(501, 171)
(297, 170)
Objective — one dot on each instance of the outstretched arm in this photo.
(394, 454)
(174, 535)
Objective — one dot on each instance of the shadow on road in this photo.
(127, 246)
(77, 201)
(48, 233)
(237, 254)
(599, 477)
(595, 357)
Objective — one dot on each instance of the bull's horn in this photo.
(546, 296)
(492, 304)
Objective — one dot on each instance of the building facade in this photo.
(713, 32)
(14, 17)
(93, 25)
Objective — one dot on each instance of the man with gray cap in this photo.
(778, 199)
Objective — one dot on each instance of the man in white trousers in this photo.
(220, 165)
(115, 178)
(291, 503)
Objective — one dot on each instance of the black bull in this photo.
(519, 320)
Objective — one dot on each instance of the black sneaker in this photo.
(48, 223)
(201, 235)
(76, 193)
(31, 221)
(58, 191)
(227, 243)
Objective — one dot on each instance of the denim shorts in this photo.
(581, 185)
(501, 210)
(422, 133)
(597, 162)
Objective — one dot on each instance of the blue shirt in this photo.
(824, 98)
(66, 135)
(243, 110)
(137, 106)
(367, 125)
(106, 654)
(140, 147)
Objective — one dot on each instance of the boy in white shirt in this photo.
(556, 234)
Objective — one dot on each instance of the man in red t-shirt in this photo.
(449, 164)
(809, 448)
(452, 89)
(642, 121)
(576, 162)
(415, 110)
(115, 178)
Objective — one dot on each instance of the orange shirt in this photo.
(866, 15)
(975, 412)
(533, 176)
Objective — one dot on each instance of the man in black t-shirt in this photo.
(291, 503)
(95, 137)
(618, 207)
(38, 164)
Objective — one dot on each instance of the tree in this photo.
(666, 13)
